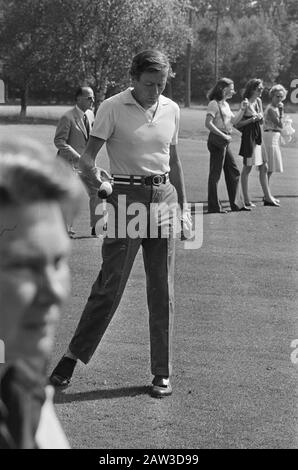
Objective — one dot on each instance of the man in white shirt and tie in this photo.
(71, 138)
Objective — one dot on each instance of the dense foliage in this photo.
(49, 47)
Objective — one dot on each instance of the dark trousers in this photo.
(118, 256)
(222, 159)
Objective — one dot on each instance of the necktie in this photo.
(87, 125)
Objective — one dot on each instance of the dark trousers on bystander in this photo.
(222, 159)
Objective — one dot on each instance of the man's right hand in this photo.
(89, 174)
(103, 175)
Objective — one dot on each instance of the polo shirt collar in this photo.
(127, 96)
(129, 99)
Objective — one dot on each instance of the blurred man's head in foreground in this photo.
(37, 190)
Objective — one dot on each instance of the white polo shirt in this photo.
(135, 144)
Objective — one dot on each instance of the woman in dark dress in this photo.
(251, 141)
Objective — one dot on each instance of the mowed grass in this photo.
(236, 317)
(192, 146)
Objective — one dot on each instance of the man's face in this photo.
(148, 88)
(34, 278)
(86, 100)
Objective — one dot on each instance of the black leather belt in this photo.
(271, 130)
(153, 180)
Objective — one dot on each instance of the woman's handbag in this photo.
(217, 141)
(287, 131)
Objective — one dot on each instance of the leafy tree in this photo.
(59, 44)
(23, 43)
(259, 52)
(97, 38)
(242, 39)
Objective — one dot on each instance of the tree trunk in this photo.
(187, 100)
(216, 47)
(102, 89)
(188, 76)
(24, 100)
(101, 83)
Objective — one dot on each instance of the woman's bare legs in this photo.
(264, 180)
(269, 174)
(244, 184)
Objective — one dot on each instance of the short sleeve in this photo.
(212, 108)
(177, 123)
(104, 122)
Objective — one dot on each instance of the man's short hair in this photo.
(28, 174)
(150, 60)
(79, 91)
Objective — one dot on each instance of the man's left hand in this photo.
(186, 222)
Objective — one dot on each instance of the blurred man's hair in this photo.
(150, 60)
(28, 174)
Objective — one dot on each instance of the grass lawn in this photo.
(236, 316)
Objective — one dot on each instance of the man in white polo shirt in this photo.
(140, 129)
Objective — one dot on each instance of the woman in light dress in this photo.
(273, 125)
(251, 142)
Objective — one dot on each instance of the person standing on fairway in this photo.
(140, 128)
(71, 138)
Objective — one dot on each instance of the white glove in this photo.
(94, 176)
(186, 223)
(102, 175)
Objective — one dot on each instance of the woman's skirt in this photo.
(271, 151)
(256, 159)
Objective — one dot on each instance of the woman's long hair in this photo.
(216, 93)
(251, 87)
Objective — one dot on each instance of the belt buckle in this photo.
(157, 180)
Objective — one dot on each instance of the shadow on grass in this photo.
(110, 393)
(283, 196)
(16, 119)
(85, 237)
